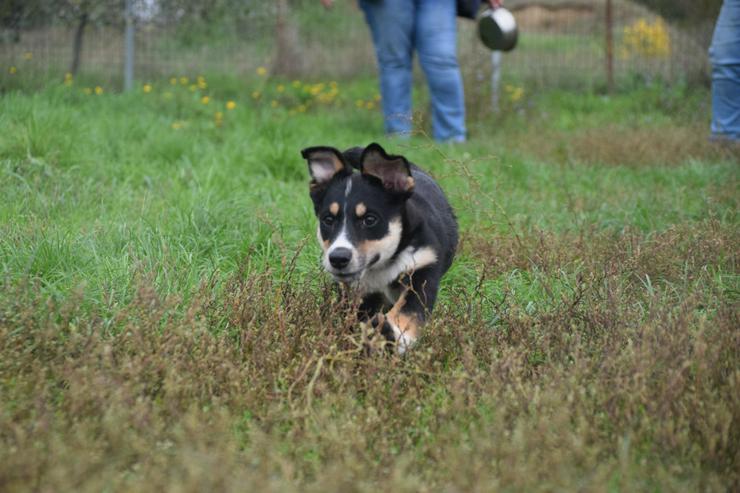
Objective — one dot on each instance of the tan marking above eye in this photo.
(360, 209)
(334, 208)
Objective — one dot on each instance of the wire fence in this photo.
(562, 42)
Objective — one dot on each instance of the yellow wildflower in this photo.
(646, 39)
(301, 108)
(12, 70)
(218, 118)
(261, 71)
(87, 91)
(147, 88)
(274, 103)
(280, 88)
(28, 55)
(184, 81)
(316, 89)
(256, 95)
(359, 103)
(370, 105)
(192, 87)
(296, 83)
(98, 90)
(515, 93)
(230, 105)
(205, 100)
(177, 125)
(173, 81)
(68, 80)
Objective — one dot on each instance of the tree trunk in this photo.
(17, 13)
(77, 48)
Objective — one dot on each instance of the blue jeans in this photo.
(724, 54)
(429, 26)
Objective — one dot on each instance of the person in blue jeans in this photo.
(399, 27)
(724, 53)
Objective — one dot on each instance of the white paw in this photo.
(404, 341)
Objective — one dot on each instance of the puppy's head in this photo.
(360, 214)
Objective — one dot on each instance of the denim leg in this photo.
(724, 54)
(391, 24)
(435, 37)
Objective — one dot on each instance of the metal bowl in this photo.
(497, 29)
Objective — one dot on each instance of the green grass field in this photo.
(165, 324)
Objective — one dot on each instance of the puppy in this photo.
(387, 230)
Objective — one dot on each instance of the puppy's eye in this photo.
(370, 220)
(328, 220)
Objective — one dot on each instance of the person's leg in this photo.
(435, 38)
(724, 54)
(391, 26)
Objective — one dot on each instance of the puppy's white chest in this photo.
(379, 280)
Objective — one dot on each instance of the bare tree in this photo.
(82, 13)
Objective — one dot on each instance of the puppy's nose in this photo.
(339, 257)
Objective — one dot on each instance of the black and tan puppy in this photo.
(386, 230)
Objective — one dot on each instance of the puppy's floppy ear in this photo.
(323, 164)
(393, 172)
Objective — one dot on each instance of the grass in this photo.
(164, 323)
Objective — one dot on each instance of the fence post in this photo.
(128, 69)
(609, 18)
(496, 80)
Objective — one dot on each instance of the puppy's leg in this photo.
(371, 307)
(371, 304)
(403, 321)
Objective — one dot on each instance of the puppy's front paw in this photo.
(385, 326)
(376, 334)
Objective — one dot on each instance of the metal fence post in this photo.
(128, 68)
(496, 80)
